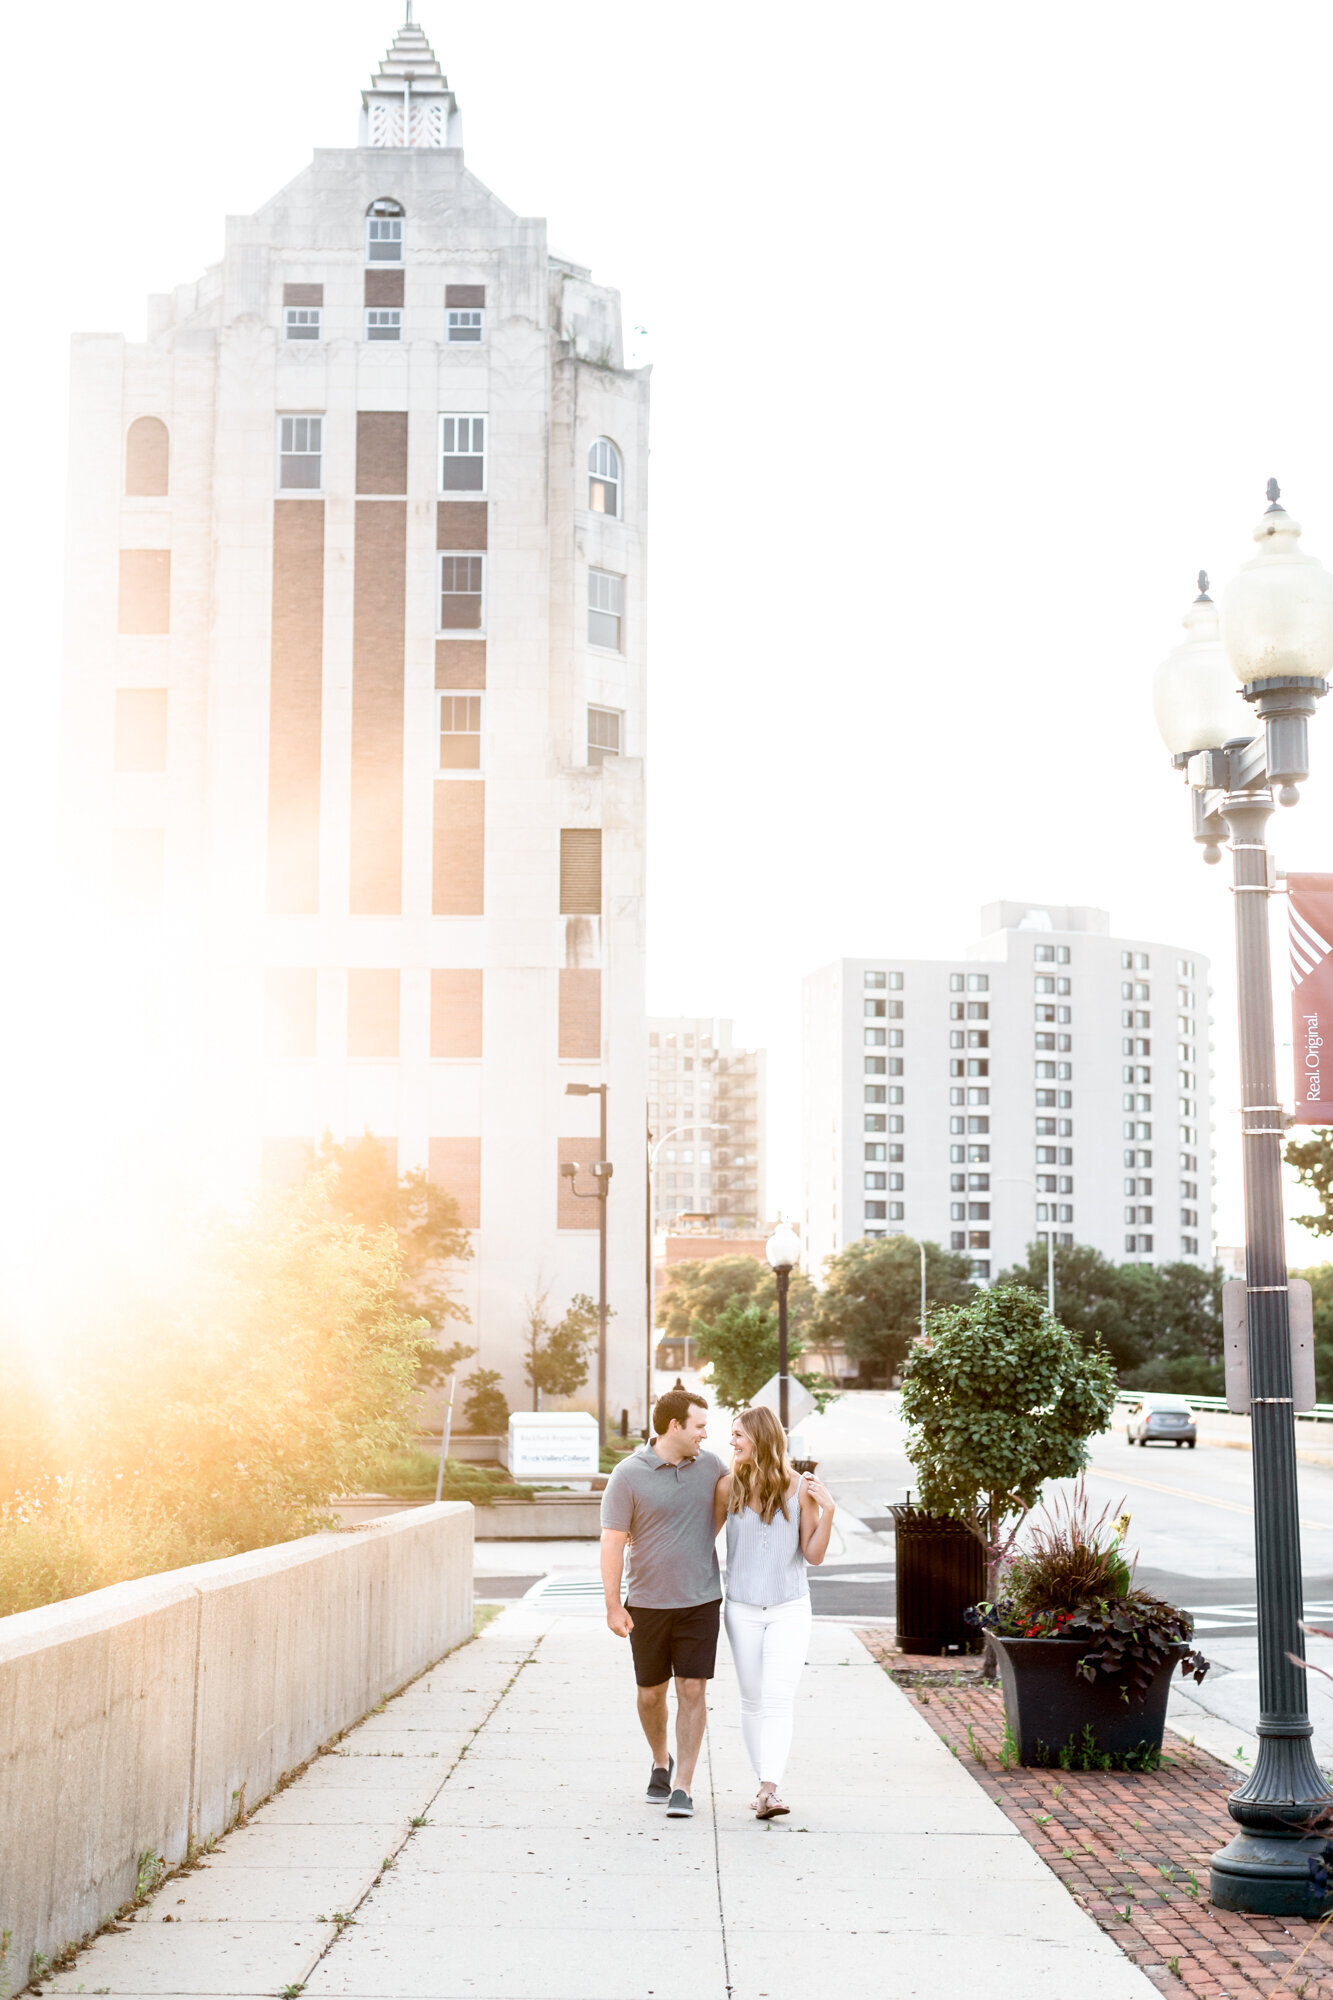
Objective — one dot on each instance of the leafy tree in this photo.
(999, 1398)
(265, 1368)
(741, 1344)
(1161, 1324)
(485, 1411)
(1313, 1161)
(558, 1357)
(363, 1187)
(871, 1301)
(699, 1288)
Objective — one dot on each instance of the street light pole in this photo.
(783, 1249)
(602, 1171)
(1276, 638)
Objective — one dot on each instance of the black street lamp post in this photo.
(1274, 636)
(602, 1171)
(783, 1250)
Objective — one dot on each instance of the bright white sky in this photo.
(975, 331)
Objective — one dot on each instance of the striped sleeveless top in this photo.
(764, 1561)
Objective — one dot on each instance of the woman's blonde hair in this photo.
(763, 1481)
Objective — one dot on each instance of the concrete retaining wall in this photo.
(140, 1718)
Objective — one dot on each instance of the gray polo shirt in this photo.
(668, 1512)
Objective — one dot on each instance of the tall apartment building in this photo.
(714, 1167)
(354, 695)
(1054, 1078)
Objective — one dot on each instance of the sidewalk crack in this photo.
(473, 1734)
(717, 1858)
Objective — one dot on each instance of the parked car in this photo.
(1161, 1420)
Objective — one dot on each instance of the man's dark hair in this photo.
(674, 1407)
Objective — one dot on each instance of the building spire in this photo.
(409, 103)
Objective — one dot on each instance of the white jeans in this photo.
(769, 1644)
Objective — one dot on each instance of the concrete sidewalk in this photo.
(540, 1874)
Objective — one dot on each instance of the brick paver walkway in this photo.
(1132, 1848)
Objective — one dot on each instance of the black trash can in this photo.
(941, 1569)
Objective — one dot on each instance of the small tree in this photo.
(741, 1344)
(557, 1358)
(485, 1410)
(364, 1186)
(871, 1302)
(999, 1398)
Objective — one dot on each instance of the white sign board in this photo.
(1236, 1344)
(800, 1403)
(554, 1444)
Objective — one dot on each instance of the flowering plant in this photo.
(1073, 1581)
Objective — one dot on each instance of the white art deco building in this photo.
(1052, 1078)
(354, 703)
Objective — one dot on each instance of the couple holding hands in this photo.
(667, 1501)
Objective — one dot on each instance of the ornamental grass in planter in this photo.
(1085, 1657)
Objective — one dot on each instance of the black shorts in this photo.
(680, 1642)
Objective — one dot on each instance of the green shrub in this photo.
(218, 1408)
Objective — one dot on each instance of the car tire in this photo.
(1179, 1442)
(1190, 1443)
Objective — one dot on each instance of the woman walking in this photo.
(776, 1523)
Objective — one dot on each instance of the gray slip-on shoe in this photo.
(659, 1783)
(680, 1805)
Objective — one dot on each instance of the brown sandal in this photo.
(770, 1806)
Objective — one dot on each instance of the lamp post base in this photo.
(1272, 1875)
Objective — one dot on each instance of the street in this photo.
(1192, 1528)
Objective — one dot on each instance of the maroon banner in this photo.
(1310, 929)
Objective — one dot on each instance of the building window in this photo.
(958, 1240)
(464, 324)
(874, 1066)
(874, 1181)
(141, 732)
(874, 979)
(895, 982)
(873, 1038)
(462, 454)
(1044, 954)
(384, 233)
(462, 591)
(460, 732)
(147, 448)
(384, 323)
(874, 1010)
(603, 734)
(301, 323)
(978, 982)
(875, 1210)
(300, 453)
(978, 1239)
(604, 478)
(606, 608)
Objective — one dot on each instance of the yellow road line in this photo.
(1183, 1493)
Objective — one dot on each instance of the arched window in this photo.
(384, 233)
(604, 478)
(146, 457)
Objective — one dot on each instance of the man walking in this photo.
(660, 1501)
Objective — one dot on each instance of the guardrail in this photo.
(1322, 1413)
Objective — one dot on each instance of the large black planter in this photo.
(940, 1571)
(1049, 1705)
